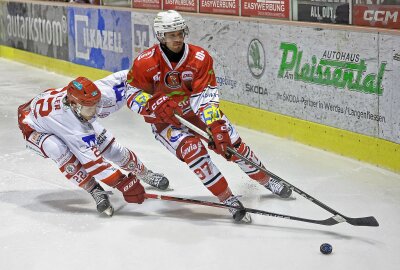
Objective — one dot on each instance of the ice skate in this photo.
(278, 188)
(156, 180)
(238, 215)
(102, 202)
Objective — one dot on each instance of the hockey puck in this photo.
(325, 248)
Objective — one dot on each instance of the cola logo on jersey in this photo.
(172, 79)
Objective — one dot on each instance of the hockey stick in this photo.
(327, 222)
(362, 221)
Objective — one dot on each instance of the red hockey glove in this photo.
(131, 188)
(164, 109)
(220, 138)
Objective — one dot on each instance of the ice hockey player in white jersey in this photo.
(61, 124)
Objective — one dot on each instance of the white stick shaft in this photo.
(192, 127)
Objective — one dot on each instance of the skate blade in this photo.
(109, 211)
(157, 189)
(246, 219)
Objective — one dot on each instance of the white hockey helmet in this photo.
(169, 21)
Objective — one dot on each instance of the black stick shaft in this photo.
(328, 222)
(363, 221)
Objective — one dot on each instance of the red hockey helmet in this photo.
(83, 91)
(83, 95)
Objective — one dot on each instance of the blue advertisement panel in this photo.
(100, 38)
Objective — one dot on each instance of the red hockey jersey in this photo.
(191, 82)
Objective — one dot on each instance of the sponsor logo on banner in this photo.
(256, 89)
(266, 8)
(95, 38)
(153, 4)
(386, 16)
(324, 11)
(35, 28)
(40, 30)
(220, 6)
(141, 37)
(343, 70)
(226, 81)
(396, 57)
(184, 5)
(256, 58)
(99, 38)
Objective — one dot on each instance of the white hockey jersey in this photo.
(48, 114)
(113, 93)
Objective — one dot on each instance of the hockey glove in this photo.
(164, 109)
(131, 188)
(220, 138)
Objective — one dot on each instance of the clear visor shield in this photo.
(86, 112)
(175, 36)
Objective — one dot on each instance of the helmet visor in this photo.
(87, 112)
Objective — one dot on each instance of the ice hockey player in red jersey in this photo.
(61, 124)
(174, 77)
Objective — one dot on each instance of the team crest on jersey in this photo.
(173, 134)
(70, 168)
(90, 140)
(172, 79)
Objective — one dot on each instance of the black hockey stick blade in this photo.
(363, 221)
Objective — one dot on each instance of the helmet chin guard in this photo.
(169, 21)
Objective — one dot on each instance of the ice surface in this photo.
(47, 223)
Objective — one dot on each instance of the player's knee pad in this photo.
(74, 171)
(124, 158)
(249, 169)
(191, 149)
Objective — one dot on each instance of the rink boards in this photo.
(331, 87)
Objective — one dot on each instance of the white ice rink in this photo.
(47, 223)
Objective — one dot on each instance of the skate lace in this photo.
(151, 178)
(100, 195)
(233, 201)
(275, 186)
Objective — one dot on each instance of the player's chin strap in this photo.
(362, 221)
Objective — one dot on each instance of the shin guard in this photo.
(194, 154)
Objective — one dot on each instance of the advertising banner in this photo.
(3, 29)
(385, 16)
(323, 11)
(336, 78)
(183, 5)
(100, 38)
(152, 4)
(266, 8)
(143, 36)
(36, 28)
(230, 7)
